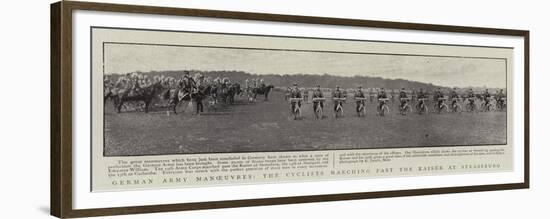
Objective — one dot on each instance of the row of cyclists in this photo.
(339, 97)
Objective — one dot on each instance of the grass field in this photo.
(267, 126)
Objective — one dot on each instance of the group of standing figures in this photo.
(452, 103)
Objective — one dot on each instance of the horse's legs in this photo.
(175, 106)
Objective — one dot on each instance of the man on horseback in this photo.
(136, 87)
(382, 95)
(187, 84)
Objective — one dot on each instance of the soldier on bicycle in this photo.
(295, 93)
(486, 97)
(318, 93)
(438, 95)
(500, 97)
(381, 95)
(402, 97)
(359, 94)
(337, 94)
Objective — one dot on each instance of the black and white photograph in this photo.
(168, 99)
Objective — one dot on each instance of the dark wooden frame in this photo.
(61, 108)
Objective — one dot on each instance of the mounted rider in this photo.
(359, 94)
(254, 83)
(135, 83)
(187, 83)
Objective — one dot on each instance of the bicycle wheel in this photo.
(361, 111)
(423, 109)
(384, 110)
(444, 108)
(406, 109)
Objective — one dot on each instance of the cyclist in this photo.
(438, 95)
(454, 97)
(486, 98)
(359, 94)
(421, 97)
(337, 94)
(318, 93)
(295, 93)
(500, 98)
(381, 95)
(402, 97)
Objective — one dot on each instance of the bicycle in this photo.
(361, 109)
(455, 107)
(421, 106)
(501, 104)
(404, 108)
(339, 107)
(296, 112)
(440, 105)
(383, 109)
(487, 106)
(471, 106)
(317, 109)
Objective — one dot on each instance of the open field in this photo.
(267, 126)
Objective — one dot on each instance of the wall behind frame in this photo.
(25, 64)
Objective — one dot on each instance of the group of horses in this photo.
(178, 98)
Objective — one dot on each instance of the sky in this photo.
(442, 71)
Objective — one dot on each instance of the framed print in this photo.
(159, 109)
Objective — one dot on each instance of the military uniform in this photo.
(382, 95)
(438, 95)
(296, 93)
(337, 94)
(359, 94)
(402, 94)
(486, 96)
(318, 94)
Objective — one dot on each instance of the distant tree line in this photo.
(309, 80)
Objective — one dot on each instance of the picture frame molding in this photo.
(61, 107)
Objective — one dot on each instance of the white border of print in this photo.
(83, 198)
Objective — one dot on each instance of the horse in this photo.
(182, 97)
(107, 94)
(145, 95)
(234, 90)
(262, 90)
(228, 92)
